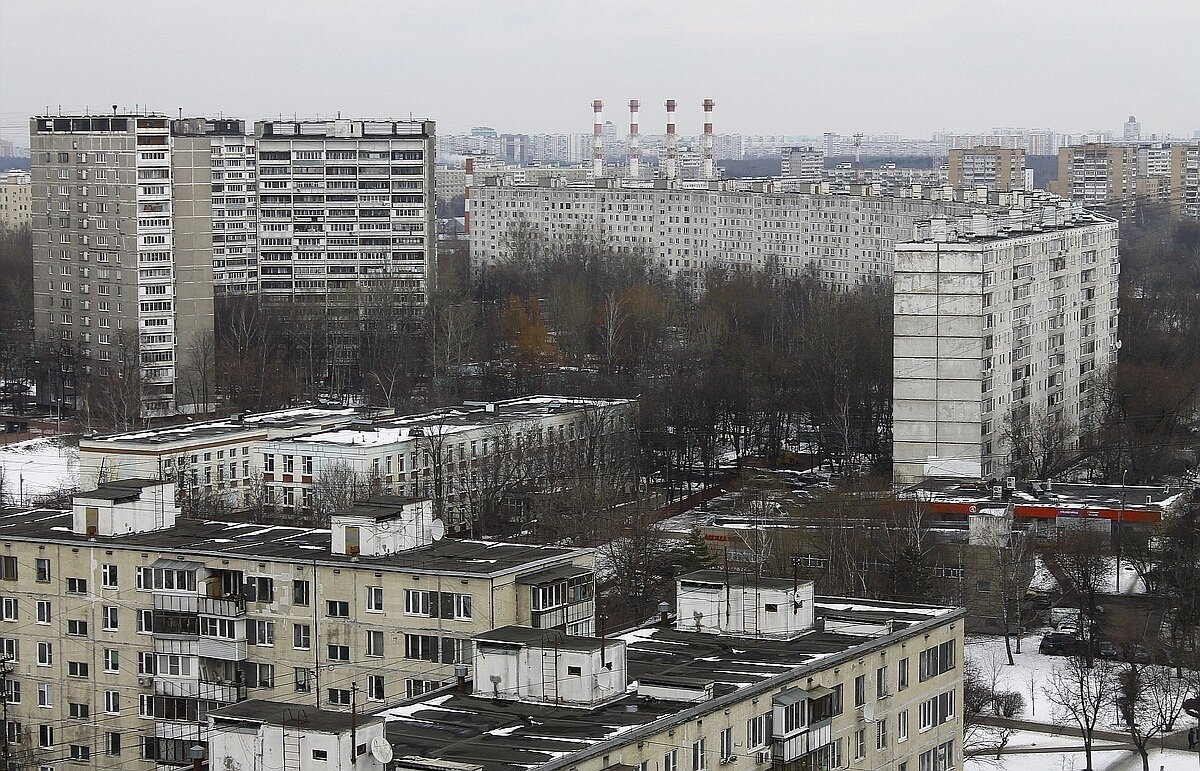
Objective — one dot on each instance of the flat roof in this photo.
(294, 417)
(509, 735)
(1063, 495)
(737, 578)
(549, 575)
(546, 638)
(292, 715)
(120, 490)
(285, 543)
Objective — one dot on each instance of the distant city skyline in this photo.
(534, 66)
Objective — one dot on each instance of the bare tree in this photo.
(337, 485)
(198, 371)
(1150, 700)
(1040, 444)
(1079, 691)
(1082, 554)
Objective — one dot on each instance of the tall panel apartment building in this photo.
(1101, 176)
(122, 253)
(998, 318)
(994, 168)
(1185, 180)
(346, 205)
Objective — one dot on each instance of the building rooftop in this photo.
(740, 579)
(510, 735)
(527, 635)
(120, 490)
(293, 418)
(286, 543)
(292, 715)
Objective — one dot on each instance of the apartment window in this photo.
(417, 602)
(300, 592)
(144, 576)
(81, 752)
(881, 734)
(45, 654)
(268, 463)
(881, 682)
(77, 585)
(726, 743)
(147, 663)
(320, 755)
(902, 726)
(936, 660)
(108, 576)
(375, 598)
(145, 621)
(260, 589)
(940, 758)
(77, 628)
(12, 693)
(112, 702)
(302, 680)
(109, 616)
(421, 646)
(698, 755)
(78, 710)
(339, 697)
(860, 690)
(902, 674)
(339, 652)
(112, 743)
(45, 736)
(301, 636)
(10, 649)
(218, 627)
(45, 695)
(260, 632)
(145, 705)
(112, 660)
(860, 744)
(671, 761)
(375, 687)
(8, 568)
(9, 609)
(758, 730)
(414, 688)
(337, 608)
(41, 569)
(43, 611)
(935, 711)
(374, 643)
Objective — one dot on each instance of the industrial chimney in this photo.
(598, 139)
(709, 168)
(669, 155)
(635, 150)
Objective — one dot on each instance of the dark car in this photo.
(1059, 644)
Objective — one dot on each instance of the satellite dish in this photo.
(381, 750)
(868, 712)
(438, 529)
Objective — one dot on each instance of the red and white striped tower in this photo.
(598, 139)
(709, 168)
(469, 182)
(635, 150)
(669, 155)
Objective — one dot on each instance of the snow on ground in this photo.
(1131, 582)
(1028, 675)
(38, 467)
(1043, 579)
(1029, 740)
(1102, 760)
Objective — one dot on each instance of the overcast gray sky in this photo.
(912, 66)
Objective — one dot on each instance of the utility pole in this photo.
(353, 722)
(5, 671)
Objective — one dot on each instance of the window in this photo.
(45, 736)
(936, 660)
(144, 576)
(339, 697)
(108, 576)
(421, 646)
(302, 679)
(9, 609)
(260, 589)
(374, 643)
(112, 743)
(145, 621)
(902, 726)
(375, 598)
(10, 649)
(860, 744)
(260, 632)
(339, 652)
(13, 694)
(375, 689)
(671, 761)
(320, 755)
(758, 730)
(112, 660)
(726, 743)
(902, 674)
(940, 758)
(218, 627)
(337, 608)
(935, 711)
(112, 702)
(300, 592)
(881, 682)
(45, 695)
(8, 568)
(75, 709)
(77, 585)
(43, 612)
(109, 615)
(145, 705)
(77, 628)
(301, 636)
(41, 569)
(81, 752)
(414, 688)
(698, 755)
(147, 664)
(416, 602)
(860, 690)
(881, 734)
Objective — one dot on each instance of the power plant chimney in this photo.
(598, 139)
(669, 155)
(635, 150)
(709, 168)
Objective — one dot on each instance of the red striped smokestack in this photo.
(598, 139)
(468, 183)
(669, 155)
(635, 150)
(709, 168)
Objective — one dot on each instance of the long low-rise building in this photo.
(123, 625)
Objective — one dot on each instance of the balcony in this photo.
(221, 648)
(233, 607)
(797, 745)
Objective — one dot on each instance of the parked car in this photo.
(1059, 644)
(1107, 649)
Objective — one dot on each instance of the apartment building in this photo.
(346, 206)
(1100, 175)
(16, 201)
(991, 167)
(803, 163)
(122, 253)
(844, 239)
(1185, 180)
(757, 672)
(999, 318)
(125, 626)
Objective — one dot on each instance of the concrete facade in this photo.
(16, 200)
(1101, 176)
(1185, 180)
(994, 168)
(998, 319)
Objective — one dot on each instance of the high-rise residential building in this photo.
(346, 206)
(16, 202)
(134, 622)
(991, 167)
(1185, 180)
(122, 242)
(1132, 130)
(803, 163)
(1000, 320)
(1100, 175)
